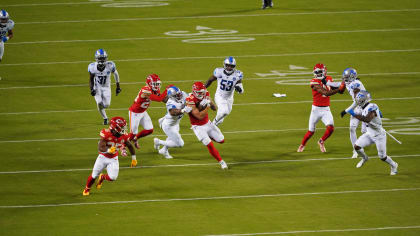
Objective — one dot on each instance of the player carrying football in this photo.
(112, 139)
(137, 112)
(375, 133)
(198, 103)
(100, 81)
(322, 88)
(6, 30)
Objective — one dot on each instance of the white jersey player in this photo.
(170, 122)
(228, 79)
(353, 85)
(100, 81)
(6, 30)
(375, 133)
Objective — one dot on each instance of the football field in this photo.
(50, 125)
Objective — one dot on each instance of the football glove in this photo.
(343, 113)
(111, 150)
(118, 90)
(133, 163)
(4, 39)
(204, 102)
(186, 109)
(239, 89)
(93, 92)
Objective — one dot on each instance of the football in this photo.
(200, 107)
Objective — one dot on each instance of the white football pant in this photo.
(137, 119)
(207, 131)
(354, 123)
(320, 113)
(174, 138)
(103, 99)
(1, 49)
(111, 164)
(224, 107)
(380, 140)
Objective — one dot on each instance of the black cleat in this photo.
(106, 121)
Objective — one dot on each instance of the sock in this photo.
(353, 135)
(389, 160)
(144, 132)
(101, 110)
(307, 136)
(362, 153)
(90, 181)
(106, 177)
(328, 132)
(213, 151)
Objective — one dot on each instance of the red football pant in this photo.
(213, 151)
(307, 136)
(328, 132)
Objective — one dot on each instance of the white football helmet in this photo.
(229, 65)
(363, 97)
(4, 17)
(349, 75)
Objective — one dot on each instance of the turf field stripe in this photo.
(50, 4)
(221, 57)
(236, 35)
(170, 18)
(190, 81)
(238, 104)
(323, 231)
(215, 198)
(202, 164)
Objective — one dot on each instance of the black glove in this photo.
(343, 113)
(118, 90)
(93, 92)
(238, 89)
(324, 80)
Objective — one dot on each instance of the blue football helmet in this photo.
(229, 65)
(363, 97)
(174, 93)
(4, 17)
(349, 75)
(101, 56)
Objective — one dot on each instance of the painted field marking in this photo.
(215, 198)
(220, 16)
(221, 57)
(323, 231)
(105, 3)
(202, 164)
(238, 104)
(173, 35)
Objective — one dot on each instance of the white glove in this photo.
(186, 109)
(205, 102)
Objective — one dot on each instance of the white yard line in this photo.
(218, 16)
(220, 57)
(236, 35)
(202, 164)
(215, 198)
(161, 107)
(323, 231)
(190, 81)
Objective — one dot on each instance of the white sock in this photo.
(101, 110)
(362, 153)
(353, 136)
(389, 161)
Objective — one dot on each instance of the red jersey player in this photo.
(198, 103)
(321, 92)
(137, 112)
(113, 139)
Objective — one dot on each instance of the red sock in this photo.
(144, 132)
(213, 151)
(106, 176)
(90, 181)
(328, 132)
(307, 136)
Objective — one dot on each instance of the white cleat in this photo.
(156, 143)
(321, 145)
(394, 169)
(223, 165)
(168, 156)
(301, 148)
(361, 163)
(355, 155)
(165, 153)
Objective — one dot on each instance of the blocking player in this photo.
(353, 85)
(175, 107)
(228, 79)
(6, 30)
(112, 139)
(322, 89)
(375, 133)
(100, 81)
(137, 111)
(199, 101)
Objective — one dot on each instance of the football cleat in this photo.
(301, 148)
(106, 121)
(361, 163)
(156, 143)
(355, 155)
(394, 169)
(86, 191)
(223, 165)
(321, 145)
(100, 181)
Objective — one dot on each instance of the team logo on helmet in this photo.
(229, 65)
(101, 57)
(153, 81)
(349, 75)
(199, 90)
(4, 17)
(174, 93)
(118, 125)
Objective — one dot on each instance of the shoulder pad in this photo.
(91, 67)
(104, 133)
(10, 24)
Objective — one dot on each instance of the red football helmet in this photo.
(118, 125)
(199, 90)
(153, 81)
(320, 71)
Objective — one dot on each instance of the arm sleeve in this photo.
(116, 76)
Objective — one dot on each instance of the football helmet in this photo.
(229, 65)
(362, 98)
(153, 81)
(101, 56)
(4, 17)
(174, 93)
(199, 90)
(349, 75)
(320, 71)
(118, 126)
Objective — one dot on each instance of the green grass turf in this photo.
(262, 133)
